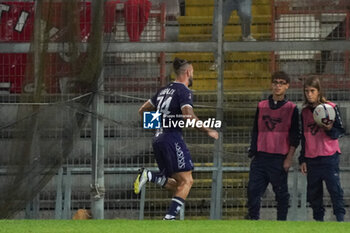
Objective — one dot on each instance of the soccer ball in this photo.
(324, 114)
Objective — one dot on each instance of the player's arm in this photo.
(336, 129)
(302, 159)
(188, 113)
(287, 163)
(294, 139)
(147, 107)
(252, 150)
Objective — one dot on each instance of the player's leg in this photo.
(181, 162)
(171, 184)
(332, 180)
(141, 180)
(160, 178)
(228, 7)
(315, 191)
(162, 150)
(245, 15)
(279, 181)
(258, 181)
(184, 182)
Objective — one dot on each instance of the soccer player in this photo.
(275, 136)
(172, 156)
(319, 156)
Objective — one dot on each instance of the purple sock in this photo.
(175, 206)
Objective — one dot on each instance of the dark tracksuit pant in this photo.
(265, 170)
(325, 168)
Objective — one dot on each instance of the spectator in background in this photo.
(319, 156)
(244, 11)
(136, 16)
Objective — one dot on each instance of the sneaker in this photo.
(213, 67)
(248, 38)
(169, 217)
(141, 180)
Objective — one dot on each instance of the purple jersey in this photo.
(169, 100)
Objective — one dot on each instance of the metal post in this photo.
(58, 204)
(28, 212)
(347, 36)
(37, 47)
(67, 195)
(31, 146)
(272, 53)
(182, 212)
(97, 186)
(162, 58)
(303, 211)
(215, 206)
(36, 206)
(32, 208)
(142, 203)
(98, 158)
(293, 213)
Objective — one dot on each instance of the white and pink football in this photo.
(324, 114)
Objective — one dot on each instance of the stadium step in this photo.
(227, 183)
(230, 97)
(239, 69)
(196, 25)
(206, 29)
(203, 193)
(207, 9)
(231, 134)
(232, 118)
(229, 57)
(227, 37)
(211, 2)
(208, 20)
(234, 112)
(234, 154)
(233, 80)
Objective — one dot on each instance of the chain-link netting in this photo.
(45, 120)
(44, 125)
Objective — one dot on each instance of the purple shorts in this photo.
(171, 153)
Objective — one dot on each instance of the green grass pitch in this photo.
(159, 226)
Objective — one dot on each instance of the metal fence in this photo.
(298, 36)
